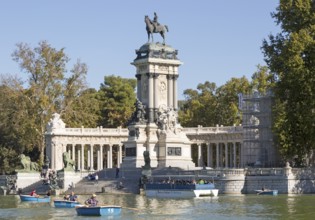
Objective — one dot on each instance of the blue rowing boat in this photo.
(267, 192)
(65, 204)
(98, 210)
(28, 198)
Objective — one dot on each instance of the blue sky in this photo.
(216, 39)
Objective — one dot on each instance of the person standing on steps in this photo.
(117, 172)
(96, 178)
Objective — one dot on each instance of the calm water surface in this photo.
(140, 207)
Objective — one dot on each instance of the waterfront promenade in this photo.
(286, 180)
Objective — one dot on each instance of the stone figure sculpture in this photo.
(155, 27)
(67, 162)
(146, 169)
(167, 120)
(55, 123)
(139, 116)
(27, 164)
(147, 160)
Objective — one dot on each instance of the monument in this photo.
(154, 126)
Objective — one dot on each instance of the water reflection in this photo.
(141, 207)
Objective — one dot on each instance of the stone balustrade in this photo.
(213, 130)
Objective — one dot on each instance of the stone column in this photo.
(79, 160)
(101, 157)
(170, 90)
(92, 157)
(89, 159)
(209, 155)
(73, 152)
(217, 154)
(110, 156)
(138, 76)
(107, 154)
(82, 157)
(234, 154)
(200, 162)
(120, 155)
(156, 92)
(98, 160)
(226, 155)
(175, 102)
(151, 97)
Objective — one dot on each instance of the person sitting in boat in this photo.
(66, 197)
(73, 197)
(33, 193)
(91, 201)
(48, 193)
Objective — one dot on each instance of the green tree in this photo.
(227, 111)
(80, 106)
(290, 56)
(199, 106)
(117, 98)
(8, 160)
(48, 89)
(262, 80)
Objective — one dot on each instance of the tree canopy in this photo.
(117, 97)
(26, 108)
(290, 56)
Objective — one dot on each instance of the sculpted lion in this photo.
(67, 162)
(27, 164)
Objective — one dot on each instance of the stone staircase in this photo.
(108, 183)
(41, 188)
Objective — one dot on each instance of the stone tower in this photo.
(154, 126)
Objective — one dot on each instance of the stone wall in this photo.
(285, 180)
(245, 181)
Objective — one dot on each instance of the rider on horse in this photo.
(155, 22)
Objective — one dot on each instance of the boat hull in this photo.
(180, 191)
(65, 204)
(267, 192)
(98, 210)
(28, 198)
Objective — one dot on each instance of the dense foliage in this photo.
(26, 107)
(210, 105)
(290, 56)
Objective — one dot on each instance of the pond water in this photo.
(140, 207)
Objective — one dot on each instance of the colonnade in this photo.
(219, 154)
(94, 156)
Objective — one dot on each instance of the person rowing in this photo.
(91, 201)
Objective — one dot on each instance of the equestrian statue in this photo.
(155, 27)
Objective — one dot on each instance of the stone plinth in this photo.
(25, 179)
(141, 138)
(70, 178)
(175, 150)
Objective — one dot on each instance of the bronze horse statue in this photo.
(159, 29)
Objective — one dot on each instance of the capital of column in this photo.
(156, 75)
(150, 75)
(175, 77)
(169, 77)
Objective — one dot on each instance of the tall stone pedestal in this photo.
(153, 126)
(141, 138)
